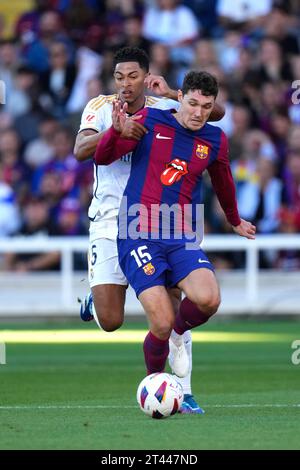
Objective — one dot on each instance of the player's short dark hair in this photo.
(203, 81)
(132, 54)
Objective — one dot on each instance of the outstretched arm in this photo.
(245, 229)
(223, 184)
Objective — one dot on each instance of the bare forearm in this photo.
(171, 95)
(217, 112)
(85, 145)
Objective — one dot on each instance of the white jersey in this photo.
(110, 181)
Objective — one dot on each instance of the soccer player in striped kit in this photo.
(167, 167)
(108, 283)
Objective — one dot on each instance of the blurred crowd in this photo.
(56, 55)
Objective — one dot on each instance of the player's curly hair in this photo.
(132, 54)
(203, 81)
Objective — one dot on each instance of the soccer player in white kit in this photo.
(107, 281)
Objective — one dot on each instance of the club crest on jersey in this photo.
(149, 269)
(174, 171)
(202, 151)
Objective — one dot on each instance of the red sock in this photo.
(189, 317)
(156, 352)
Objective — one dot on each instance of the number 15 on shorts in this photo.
(141, 256)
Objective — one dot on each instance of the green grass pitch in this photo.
(64, 387)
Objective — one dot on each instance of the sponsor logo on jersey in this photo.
(149, 269)
(162, 137)
(202, 151)
(91, 117)
(174, 172)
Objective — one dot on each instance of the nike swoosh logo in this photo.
(203, 260)
(158, 136)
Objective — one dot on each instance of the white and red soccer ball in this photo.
(160, 395)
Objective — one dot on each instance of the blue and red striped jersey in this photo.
(169, 161)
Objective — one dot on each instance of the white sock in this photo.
(176, 338)
(186, 381)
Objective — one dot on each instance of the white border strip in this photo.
(94, 407)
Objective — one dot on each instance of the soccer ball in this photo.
(159, 395)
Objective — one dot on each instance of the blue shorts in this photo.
(148, 263)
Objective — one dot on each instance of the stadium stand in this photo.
(56, 54)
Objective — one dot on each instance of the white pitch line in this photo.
(253, 405)
(93, 407)
(63, 407)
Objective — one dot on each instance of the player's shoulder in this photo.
(95, 104)
(111, 98)
(156, 113)
(213, 127)
(161, 103)
(151, 101)
(217, 137)
(214, 130)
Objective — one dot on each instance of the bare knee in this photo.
(161, 326)
(163, 329)
(109, 323)
(110, 326)
(111, 317)
(209, 304)
(159, 310)
(109, 305)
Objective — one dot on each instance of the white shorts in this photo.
(103, 263)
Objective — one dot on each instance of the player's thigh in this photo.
(103, 263)
(158, 307)
(143, 263)
(201, 287)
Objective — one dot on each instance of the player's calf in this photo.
(159, 311)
